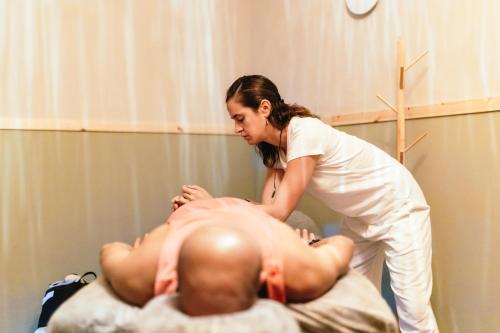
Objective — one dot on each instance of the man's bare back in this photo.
(308, 272)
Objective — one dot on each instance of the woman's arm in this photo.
(295, 180)
(273, 177)
(289, 188)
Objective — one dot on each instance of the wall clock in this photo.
(360, 7)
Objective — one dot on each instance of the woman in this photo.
(385, 212)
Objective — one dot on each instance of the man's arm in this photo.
(312, 271)
(119, 266)
(340, 249)
(132, 271)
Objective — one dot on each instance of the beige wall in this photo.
(127, 63)
(153, 63)
(335, 63)
(64, 194)
(459, 170)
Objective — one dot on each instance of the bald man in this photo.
(217, 253)
(210, 280)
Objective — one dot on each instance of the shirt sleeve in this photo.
(306, 138)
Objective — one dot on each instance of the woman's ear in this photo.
(265, 108)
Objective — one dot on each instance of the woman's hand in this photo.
(195, 192)
(177, 201)
(189, 193)
(306, 236)
(138, 241)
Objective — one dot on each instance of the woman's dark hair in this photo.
(249, 91)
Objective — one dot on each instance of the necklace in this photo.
(274, 177)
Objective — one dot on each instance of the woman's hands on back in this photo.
(190, 193)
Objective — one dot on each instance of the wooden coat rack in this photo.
(401, 147)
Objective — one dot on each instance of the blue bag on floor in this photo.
(58, 292)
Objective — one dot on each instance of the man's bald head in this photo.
(219, 271)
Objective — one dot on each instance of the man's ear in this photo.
(265, 108)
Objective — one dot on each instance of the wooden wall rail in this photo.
(413, 112)
(112, 127)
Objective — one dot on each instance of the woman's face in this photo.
(249, 124)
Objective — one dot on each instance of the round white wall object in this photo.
(360, 7)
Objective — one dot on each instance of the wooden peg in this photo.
(387, 103)
(401, 78)
(415, 142)
(401, 158)
(416, 60)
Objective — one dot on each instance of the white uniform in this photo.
(385, 211)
